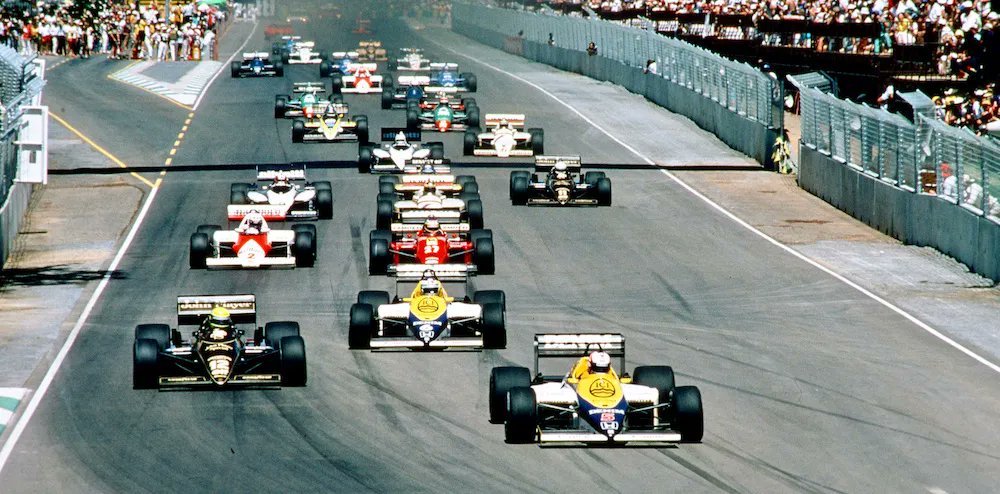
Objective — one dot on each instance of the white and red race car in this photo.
(361, 79)
(253, 245)
(504, 137)
(281, 193)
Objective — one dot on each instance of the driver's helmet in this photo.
(400, 142)
(504, 122)
(253, 223)
(600, 362)
(219, 323)
(280, 178)
(430, 286)
(432, 226)
(560, 169)
(427, 168)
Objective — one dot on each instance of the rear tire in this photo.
(591, 178)
(387, 96)
(483, 256)
(412, 119)
(474, 209)
(280, 104)
(362, 327)
(324, 69)
(361, 128)
(521, 423)
(293, 361)
(238, 193)
(145, 364)
(469, 144)
(537, 141)
(437, 150)
(471, 84)
(689, 419)
(234, 69)
(484, 297)
(378, 256)
(279, 67)
(660, 377)
(324, 203)
(383, 215)
(494, 327)
(200, 249)
(472, 116)
(502, 380)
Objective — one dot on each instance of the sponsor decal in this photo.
(215, 347)
(602, 388)
(191, 306)
(603, 411)
(428, 306)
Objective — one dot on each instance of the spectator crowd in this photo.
(118, 30)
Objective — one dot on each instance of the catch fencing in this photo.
(689, 80)
(923, 182)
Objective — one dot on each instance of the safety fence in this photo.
(923, 182)
(685, 79)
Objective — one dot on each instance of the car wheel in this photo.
(280, 105)
(437, 150)
(322, 185)
(412, 119)
(145, 364)
(234, 69)
(660, 377)
(208, 229)
(373, 298)
(521, 424)
(386, 189)
(502, 380)
(474, 209)
(276, 331)
(591, 178)
(519, 190)
(472, 116)
(305, 227)
(484, 297)
(387, 96)
(336, 84)
(471, 84)
(304, 249)
(365, 158)
(160, 333)
(689, 419)
(388, 179)
(483, 256)
(298, 130)
(469, 144)
(537, 141)
(292, 360)
(362, 327)
(383, 215)
(471, 187)
(238, 193)
(324, 203)
(361, 128)
(494, 328)
(279, 67)
(324, 69)
(604, 192)
(378, 256)
(464, 180)
(199, 251)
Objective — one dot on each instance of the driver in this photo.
(400, 142)
(598, 362)
(281, 182)
(430, 286)
(559, 171)
(218, 325)
(432, 228)
(253, 224)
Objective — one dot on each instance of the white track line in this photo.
(225, 64)
(36, 398)
(43, 387)
(922, 325)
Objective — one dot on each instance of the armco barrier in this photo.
(706, 102)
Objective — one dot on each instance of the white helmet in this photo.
(432, 224)
(600, 362)
(560, 166)
(400, 140)
(430, 286)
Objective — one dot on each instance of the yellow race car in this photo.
(333, 125)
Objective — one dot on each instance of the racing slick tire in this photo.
(378, 256)
(464, 180)
(276, 331)
(145, 364)
(298, 130)
(660, 377)
(383, 215)
(305, 227)
(467, 102)
(412, 119)
(365, 158)
(279, 67)
(234, 69)
(387, 96)
(208, 229)
(437, 150)
(337, 84)
(494, 327)
(323, 185)
(475, 211)
(502, 380)
(388, 179)
(361, 128)
(604, 192)
(304, 249)
(483, 256)
(386, 188)
(469, 143)
(537, 141)
(472, 116)
(386, 196)
(518, 188)
(387, 81)
(324, 69)
(362, 327)
(292, 361)
(521, 423)
(470, 196)
(280, 103)
(483, 297)
(384, 235)
(324, 203)
(471, 84)
(591, 178)
(160, 333)
(199, 251)
(413, 104)
(238, 193)
(688, 419)
(373, 298)
(471, 187)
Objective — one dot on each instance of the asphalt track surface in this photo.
(808, 385)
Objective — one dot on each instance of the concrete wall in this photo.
(11, 216)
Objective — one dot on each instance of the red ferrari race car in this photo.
(446, 249)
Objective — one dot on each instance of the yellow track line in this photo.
(99, 149)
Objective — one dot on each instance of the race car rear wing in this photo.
(293, 171)
(338, 108)
(443, 90)
(192, 309)
(369, 66)
(442, 167)
(413, 80)
(411, 50)
(546, 162)
(552, 345)
(370, 43)
(452, 227)
(444, 272)
(444, 66)
(250, 55)
(292, 38)
(307, 44)
(422, 178)
(390, 133)
(308, 87)
(515, 119)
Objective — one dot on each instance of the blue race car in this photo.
(257, 64)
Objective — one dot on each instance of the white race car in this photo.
(394, 158)
(281, 193)
(411, 60)
(253, 245)
(361, 79)
(302, 52)
(505, 137)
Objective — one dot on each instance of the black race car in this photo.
(557, 181)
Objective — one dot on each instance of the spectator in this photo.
(591, 48)
(650, 67)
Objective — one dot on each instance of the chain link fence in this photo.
(736, 86)
(19, 86)
(925, 157)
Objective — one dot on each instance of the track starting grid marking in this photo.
(10, 398)
(185, 91)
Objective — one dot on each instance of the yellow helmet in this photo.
(220, 317)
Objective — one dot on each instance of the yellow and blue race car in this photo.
(334, 125)
(428, 318)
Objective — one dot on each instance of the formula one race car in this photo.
(415, 203)
(592, 403)
(447, 75)
(505, 137)
(428, 318)
(332, 126)
(253, 245)
(410, 60)
(411, 90)
(393, 158)
(217, 353)
(441, 247)
(371, 51)
(296, 51)
(281, 193)
(443, 115)
(304, 102)
(557, 181)
(256, 64)
(361, 79)
(339, 63)
(278, 29)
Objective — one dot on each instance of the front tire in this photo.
(293, 361)
(362, 327)
(521, 424)
(689, 418)
(494, 328)
(145, 364)
(304, 249)
(199, 251)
